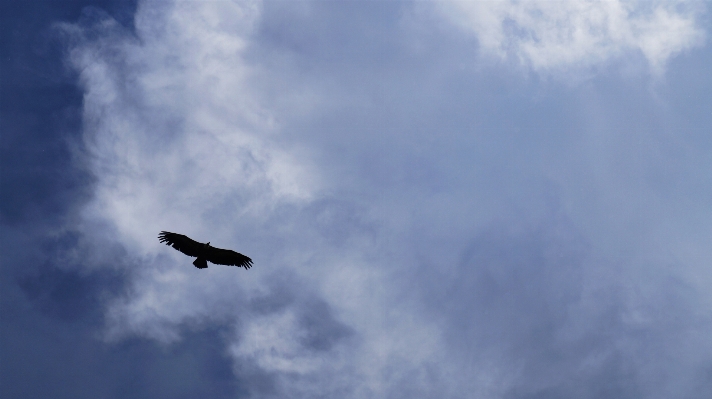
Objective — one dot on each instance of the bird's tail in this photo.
(201, 263)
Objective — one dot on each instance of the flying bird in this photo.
(204, 252)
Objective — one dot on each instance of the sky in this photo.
(496, 199)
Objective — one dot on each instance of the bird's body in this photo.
(204, 252)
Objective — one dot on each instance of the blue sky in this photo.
(442, 199)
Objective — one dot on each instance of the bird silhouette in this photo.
(204, 252)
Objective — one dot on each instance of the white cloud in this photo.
(551, 35)
(172, 126)
(177, 142)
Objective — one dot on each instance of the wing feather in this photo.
(227, 257)
(181, 243)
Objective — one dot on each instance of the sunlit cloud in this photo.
(555, 35)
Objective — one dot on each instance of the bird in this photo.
(204, 252)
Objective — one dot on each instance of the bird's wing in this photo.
(181, 243)
(227, 257)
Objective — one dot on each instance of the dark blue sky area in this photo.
(41, 107)
(50, 315)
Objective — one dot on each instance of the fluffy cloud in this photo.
(562, 34)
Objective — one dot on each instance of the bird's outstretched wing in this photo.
(227, 257)
(181, 243)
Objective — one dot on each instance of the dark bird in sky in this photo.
(204, 252)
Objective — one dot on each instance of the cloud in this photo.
(178, 139)
(418, 230)
(555, 35)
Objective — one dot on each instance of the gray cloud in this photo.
(424, 224)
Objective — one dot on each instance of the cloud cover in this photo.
(421, 226)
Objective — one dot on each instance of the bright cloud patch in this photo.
(557, 34)
(172, 125)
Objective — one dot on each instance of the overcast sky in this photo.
(496, 199)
